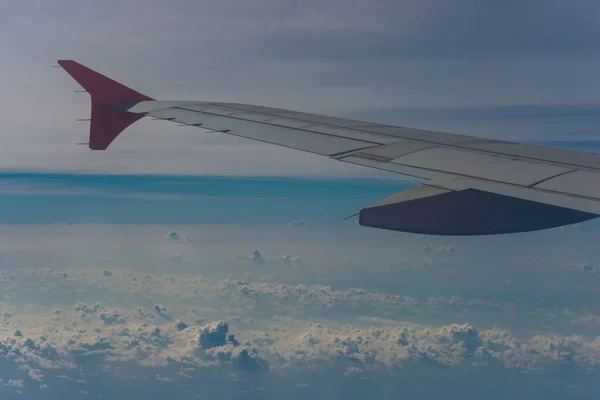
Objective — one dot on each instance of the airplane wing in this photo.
(471, 186)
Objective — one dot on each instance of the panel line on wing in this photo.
(377, 157)
(461, 145)
(279, 126)
(552, 177)
(268, 133)
(457, 175)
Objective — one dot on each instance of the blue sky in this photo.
(123, 272)
(168, 199)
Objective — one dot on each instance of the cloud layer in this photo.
(80, 349)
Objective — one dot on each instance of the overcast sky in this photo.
(376, 60)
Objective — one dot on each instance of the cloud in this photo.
(445, 249)
(299, 345)
(255, 258)
(112, 318)
(297, 334)
(162, 311)
(585, 266)
(172, 236)
(180, 325)
(240, 357)
(213, 335)
(15, 383)
(288, 260)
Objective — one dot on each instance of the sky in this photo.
(519, 70)
(186, 264)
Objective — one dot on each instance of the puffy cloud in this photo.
(213, 335)
(303, 344)
(15, 383)
(172, 236)
(585, 266)
(162, 311)
(246, 358)
(445, 249)
(356, 333)
(87, 309)
(112, 318)
(180, 325)
(256, 258)
(288, 260)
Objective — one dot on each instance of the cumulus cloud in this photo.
(288, 260)
(248, 326)
(162, 311)
(180, 325)
(145, 340)
(364, 349)
(172, 236)
(256, 258)
(213, 335)
(15, 383)
(246, 358)
(112, 318)
(585, 266)
(445, 249)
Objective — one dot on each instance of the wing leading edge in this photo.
(472, 186)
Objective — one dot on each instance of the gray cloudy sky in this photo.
(371, 59)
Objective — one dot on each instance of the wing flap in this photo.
(579, 183)
(481, 165)
(555, 198)
(532, 152)
(368, 161)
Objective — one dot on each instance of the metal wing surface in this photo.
(472, 186)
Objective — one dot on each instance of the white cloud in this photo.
(179, 340)
(15, 383)
(172, 236)
(347, 317)
(255, 258)
(288, 260)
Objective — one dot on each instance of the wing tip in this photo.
(110, 101)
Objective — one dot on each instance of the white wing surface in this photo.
(472, 186)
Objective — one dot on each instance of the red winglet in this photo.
(106, 122)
